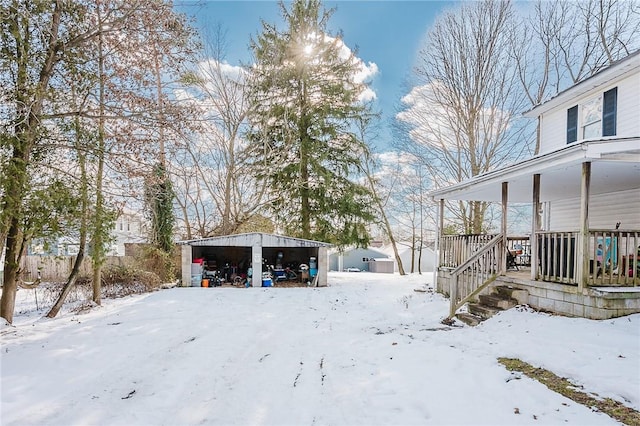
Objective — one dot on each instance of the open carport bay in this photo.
(233, 255)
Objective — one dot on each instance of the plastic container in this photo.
(205, 282)
(313, 267)
(196, 280)
(267, 282)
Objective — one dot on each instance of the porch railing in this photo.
(557, 261)
(456, 249)
(612, 258)
(474, 274)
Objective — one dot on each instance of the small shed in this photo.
(381, 265)
(242, 251)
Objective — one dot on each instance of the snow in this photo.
(366, 350)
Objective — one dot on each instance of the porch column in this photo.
(503, 228)
(582, 248)
(536, 225)
(439, 234)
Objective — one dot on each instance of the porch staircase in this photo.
(502, 298)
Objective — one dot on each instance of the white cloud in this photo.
(365, 71)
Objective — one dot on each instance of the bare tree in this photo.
(379, 192)
(462, 118)
(101, 46)
(563, 42)
(221, 195)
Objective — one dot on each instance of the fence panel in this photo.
(58, 268)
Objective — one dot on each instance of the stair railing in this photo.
(475, 274)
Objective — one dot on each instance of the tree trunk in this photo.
(413, 252)
(11, 266)
(304, 166)
(97, 253)
(71, 280)
(385, 219)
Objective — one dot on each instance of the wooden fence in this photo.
(58, 268)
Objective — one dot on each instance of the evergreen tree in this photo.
(306, 102)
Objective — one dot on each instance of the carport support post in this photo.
(187, 258)
(323, 266)
(256, 264)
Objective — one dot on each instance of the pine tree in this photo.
(306, 102)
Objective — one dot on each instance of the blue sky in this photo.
(387, 33)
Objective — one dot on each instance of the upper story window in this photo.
(597, 117)
(592, 118)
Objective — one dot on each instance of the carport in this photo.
(242, 251)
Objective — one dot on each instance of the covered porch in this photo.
(576, 267)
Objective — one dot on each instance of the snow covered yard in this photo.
(367, 350)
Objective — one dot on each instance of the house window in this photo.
(572, 124)
(592, 118)
(609, 108)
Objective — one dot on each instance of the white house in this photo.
(129, 228)
(584, 191)
(422, 262)
(354, 258)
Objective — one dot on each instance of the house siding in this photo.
(553, 127)
(354, 259)
(604, 211)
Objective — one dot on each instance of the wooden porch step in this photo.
(469, 319)
(497, 301)
(512, 293)
(484, 312)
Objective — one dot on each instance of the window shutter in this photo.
(572, 124)
(609, 108)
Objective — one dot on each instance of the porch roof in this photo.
(615, 166)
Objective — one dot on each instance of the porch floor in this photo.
(523, 276)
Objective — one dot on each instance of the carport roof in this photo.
(254, 238)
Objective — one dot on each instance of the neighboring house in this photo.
(426, 259)
(64, 246)
(354, 258)
(129, 228)
(584, 192)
